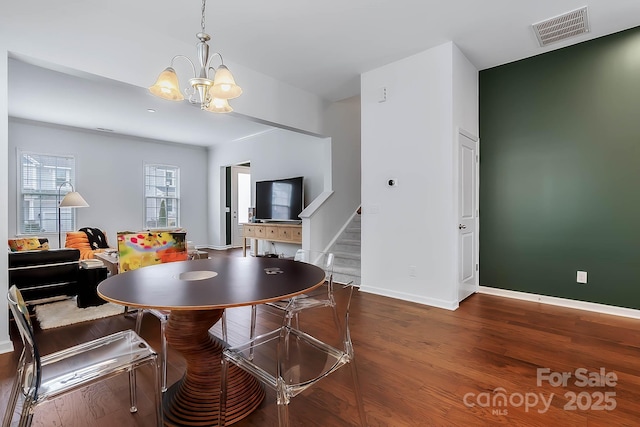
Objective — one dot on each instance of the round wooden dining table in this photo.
(197, 292)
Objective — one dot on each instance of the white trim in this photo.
(468, 134)
(563, 302)
(6, 347)
(448, 305)
(216, 247)
(315, 205)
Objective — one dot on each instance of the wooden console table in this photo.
(285, 233)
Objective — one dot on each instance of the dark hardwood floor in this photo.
(418, 366)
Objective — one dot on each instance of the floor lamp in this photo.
(72, 199)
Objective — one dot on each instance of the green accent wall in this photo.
(560, 172)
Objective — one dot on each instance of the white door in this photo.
(240, 201)
(467, 215)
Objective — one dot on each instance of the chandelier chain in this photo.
(202, 21)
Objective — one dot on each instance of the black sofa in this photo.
(45, 273)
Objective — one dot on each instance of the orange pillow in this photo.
(79, 240)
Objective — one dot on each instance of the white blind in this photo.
(41, 176)
(161, 196)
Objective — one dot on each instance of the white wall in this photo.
(273, 155)
(5, 342)
(110, 176)
(342, 123)
(466, 111)
(408, 231)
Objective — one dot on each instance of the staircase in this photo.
(346, 250)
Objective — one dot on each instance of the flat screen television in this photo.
(279, 199)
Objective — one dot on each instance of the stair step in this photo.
(347, 245)
(353, 234)
(341, 269)
(346, 255)
(347, 259)
(348, 262)
(346, 251)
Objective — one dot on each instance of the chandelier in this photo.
(212, 94)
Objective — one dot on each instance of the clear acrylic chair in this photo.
(141, 249)
(42, 378)
(290, 361)
(321, 297)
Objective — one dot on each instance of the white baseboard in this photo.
(448, 305)
(562, 302)
(6, 347)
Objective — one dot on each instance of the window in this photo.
(161, 196)
(41, 177)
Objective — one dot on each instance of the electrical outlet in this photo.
(581, 277)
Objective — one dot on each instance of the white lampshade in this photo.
(73, 199)
(167, 86)
(224, 85)
(217, 105)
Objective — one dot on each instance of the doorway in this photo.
(468, 213)
(240, 201)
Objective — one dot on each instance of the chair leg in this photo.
(139, 316)
(26, 417)
(282, 399)
(222, 409)
(252, 329)
(297, 320)
(163, 356)
(13, 400)
(132, 373)
(132, 391)
(223, 326)
(356, 391)
(158, 394)
(283, 415)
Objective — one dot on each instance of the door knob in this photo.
(461, 227)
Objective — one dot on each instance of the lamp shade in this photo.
(73, 199)
(224, 85)
(217, 105)
(167, 86)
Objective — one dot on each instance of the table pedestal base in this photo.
(195, 399)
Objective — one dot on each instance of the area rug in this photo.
(63, 313)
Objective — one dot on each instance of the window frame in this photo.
(172, 203)
(51, 196)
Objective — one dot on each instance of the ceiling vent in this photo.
(562, 27)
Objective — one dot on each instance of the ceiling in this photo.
(96, 103)
(321, 47)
